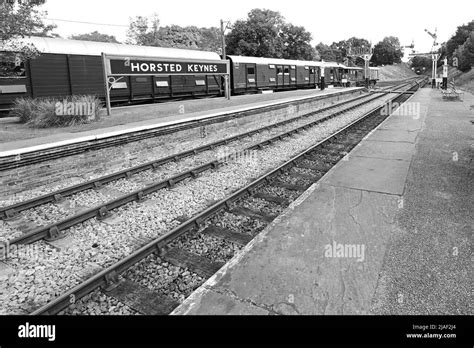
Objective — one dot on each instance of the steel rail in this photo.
(11, 210)
(34, 157)
(158, 245)
(54, 231)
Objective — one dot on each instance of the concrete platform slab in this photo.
(215, 303)
(384, 150)
(370, 174)
(392, 135)
(400, 123)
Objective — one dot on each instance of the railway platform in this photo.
(18, 139)
(385, 231)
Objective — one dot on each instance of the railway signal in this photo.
(366, 54)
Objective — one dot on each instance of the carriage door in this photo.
(251, 76)
(293, 75)
(286, 75)
(312, 75)
(279, 75)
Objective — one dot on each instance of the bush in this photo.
(57, 111)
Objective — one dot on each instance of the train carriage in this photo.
(68, 67)
(251, 74)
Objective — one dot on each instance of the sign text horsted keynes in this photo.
(116, 67)
(167, 67)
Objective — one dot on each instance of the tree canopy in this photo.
(147, 31)
(387, 51)
(95, 36)
(19, 19)
(459, 38)
(465, 53)
(460, 47)
(339, 51)
(266, 34)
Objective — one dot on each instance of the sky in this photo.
(327, 21)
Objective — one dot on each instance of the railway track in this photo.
(54, 230)
(35, 157)
(227, 225)
(290, 187)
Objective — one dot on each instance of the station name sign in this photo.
(156, 67)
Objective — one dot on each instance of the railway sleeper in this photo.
(242, 211)
(309, 177)
(319, 168)
(195, 263)
(143, 300)
(323, 157)
(279, 183)
(271, 198)
(227, 235)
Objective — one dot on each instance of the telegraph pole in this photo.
(224, 56)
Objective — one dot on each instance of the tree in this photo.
(143, 30)
(257, 36)
(465, 54)
(459, 38)
(325, 52)
(296, 41)
(210, 39)
(95, 36)
(421, 62)
(387, 51)
(147, 31)
(266, 34)
(354, 43)
(19, 20)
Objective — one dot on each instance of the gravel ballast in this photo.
(134, 224)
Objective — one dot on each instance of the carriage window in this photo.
(312, 71)
(279, 70)
(293, 67)
(306, 67)
(287, 71)
(250, 71)
(271, 66)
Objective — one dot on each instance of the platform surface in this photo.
(386, 232)
(133, 118)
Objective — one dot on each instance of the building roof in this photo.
(92, 48)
